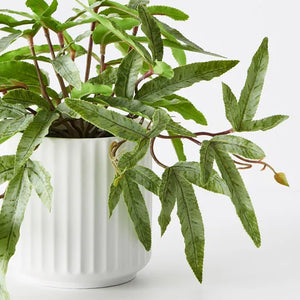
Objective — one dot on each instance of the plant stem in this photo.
(59, 78)
(154, 156)
(102, 52)
(90, 49)
(4, 90)
(265, 165)
(170, 137)
(146, 75)
(215, 134)
(38, 70)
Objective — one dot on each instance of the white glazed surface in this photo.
(77, 245)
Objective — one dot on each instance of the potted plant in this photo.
(114, 117)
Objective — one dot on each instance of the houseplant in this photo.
(81, 108)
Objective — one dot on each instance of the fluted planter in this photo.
(77, 245)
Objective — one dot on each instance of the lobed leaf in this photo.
(41, 182)
(152, 31)
(238, 145)
(145, 177)
(191, 225)
(251, 92)
(37, 6)
(7, 40)
(33, 136)
(232, 109)
(168, 11)
(184, 76)
(263, 124)
(26, 98)
(108, 77)
(167, 196)
(118, 32)
(11, 216)
(12, 72)
(110, 121)
(179, 56)
(129, 159)
(182, 106)
(89, 89)
(137, 210)
(133, 106)
(239, 195)
(9, 127)
(114, 197)
(127, 75)
(178, 146)
(160, 121)
(7, 168)
(66, 67)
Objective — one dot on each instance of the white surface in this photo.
(234, 269)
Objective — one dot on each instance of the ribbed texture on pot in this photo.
(77, 245)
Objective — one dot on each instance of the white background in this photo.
(234, 268)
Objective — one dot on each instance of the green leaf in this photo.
(178, 146)
(152, 31)
(67, 112)
(191, 172)
(239, 195)
(11, 216)
(127, 74)
(232, 109)
(6, 41)
(182, 106)
(191, 225)
(160, 121)
(145, 177)
(9, 127)
(20, 13)
(26, 98)
(131, 158)
(118, 32)
(180, 56)
(167, 196)
(41, 182)
(37, 6)
(207, 157)
(66, 67)
(12, 72)
(178, 129)
(51, 9)
(89, 89)
(184, 76)
(104, 36)
(263, 124)
(238, 145)
(7, 168)
(251, 92)
(114, 197)
(24, 51)
(110, 121)
(137, 210)
(33, 136)
(133, 4)
(168, 11)
(174, 35)
(133, 106)
(11, 111)
(108, 77)
(163, 69)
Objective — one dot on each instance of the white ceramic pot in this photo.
(77, 245)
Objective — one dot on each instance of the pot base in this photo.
(80, 284)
